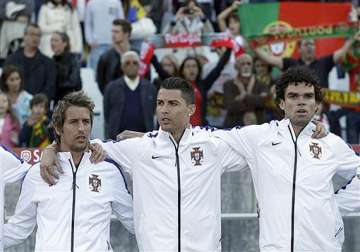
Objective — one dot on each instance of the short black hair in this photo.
(296, 75)
(187, 91)
(33, 25)
(39, 99)
(125, 25)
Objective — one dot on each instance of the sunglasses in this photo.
(131, 62)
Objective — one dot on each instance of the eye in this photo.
(309, 96)
(173, 103)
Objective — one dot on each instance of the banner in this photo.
(29, 155)
(343, 98)
(282, 24)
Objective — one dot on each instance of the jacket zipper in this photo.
(293, 189)
(177, 164)
(73, 204)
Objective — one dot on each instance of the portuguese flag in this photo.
(289, 21)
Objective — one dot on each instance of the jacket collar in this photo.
(166, 136)
(285, 124)
(64, 157)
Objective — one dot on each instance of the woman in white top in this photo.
(59, 16)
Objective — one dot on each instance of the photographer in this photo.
(189, 19)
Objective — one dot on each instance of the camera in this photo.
(188, 11)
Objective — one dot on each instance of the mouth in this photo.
(165, 120)
(81, 138)
(301, 112)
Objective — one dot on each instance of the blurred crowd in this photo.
(44, 44)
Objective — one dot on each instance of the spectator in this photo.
(191, 70)
(263, 72)
(67, 66)
(39, 70)
(99, 15)
(189, 19)
(244, 96)
(11, 83)
(167, 67)
(228, 20)
(142, 26)
(321, 66)
(59, 16)
(129, 103)
(14, 16)
(109, 66)
(35, 131)
(9, 125)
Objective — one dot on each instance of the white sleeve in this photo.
(23, 222)
(88, 24)
(348, 163)
(230, 159)
(348, 197)
(122, 206)
(239, 139)
(14, 168)
(125, 152)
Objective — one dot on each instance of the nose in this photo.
(81, 126)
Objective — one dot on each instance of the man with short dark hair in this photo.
(292, 172)
(129, 102)
(38, 70)
(109, 65)
(75, 214)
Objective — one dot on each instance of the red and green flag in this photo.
(287, 22)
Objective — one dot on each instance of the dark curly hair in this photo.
(296, 75)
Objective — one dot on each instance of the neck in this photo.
(13, 95)
(76, 156)
(30, 52)
(307, 60)
(244, 80)
(177, 135)
(132, 77)
(122, 47)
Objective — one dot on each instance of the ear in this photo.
(282, 104)
(317, 106)
(191, 109)
(57, 131)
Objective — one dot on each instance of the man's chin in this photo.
(79, 147)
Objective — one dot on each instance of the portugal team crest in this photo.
(315, 150)
(197, 156)
(94, 183)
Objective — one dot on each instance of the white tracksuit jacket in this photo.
(293, 182)
(176, 188)
(12, 169)
(74, 214)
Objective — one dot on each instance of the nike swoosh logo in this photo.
(273, 144)
(155, 157)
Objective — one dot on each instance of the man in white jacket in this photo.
(74, 214)
(292, 172)
(12, 169)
